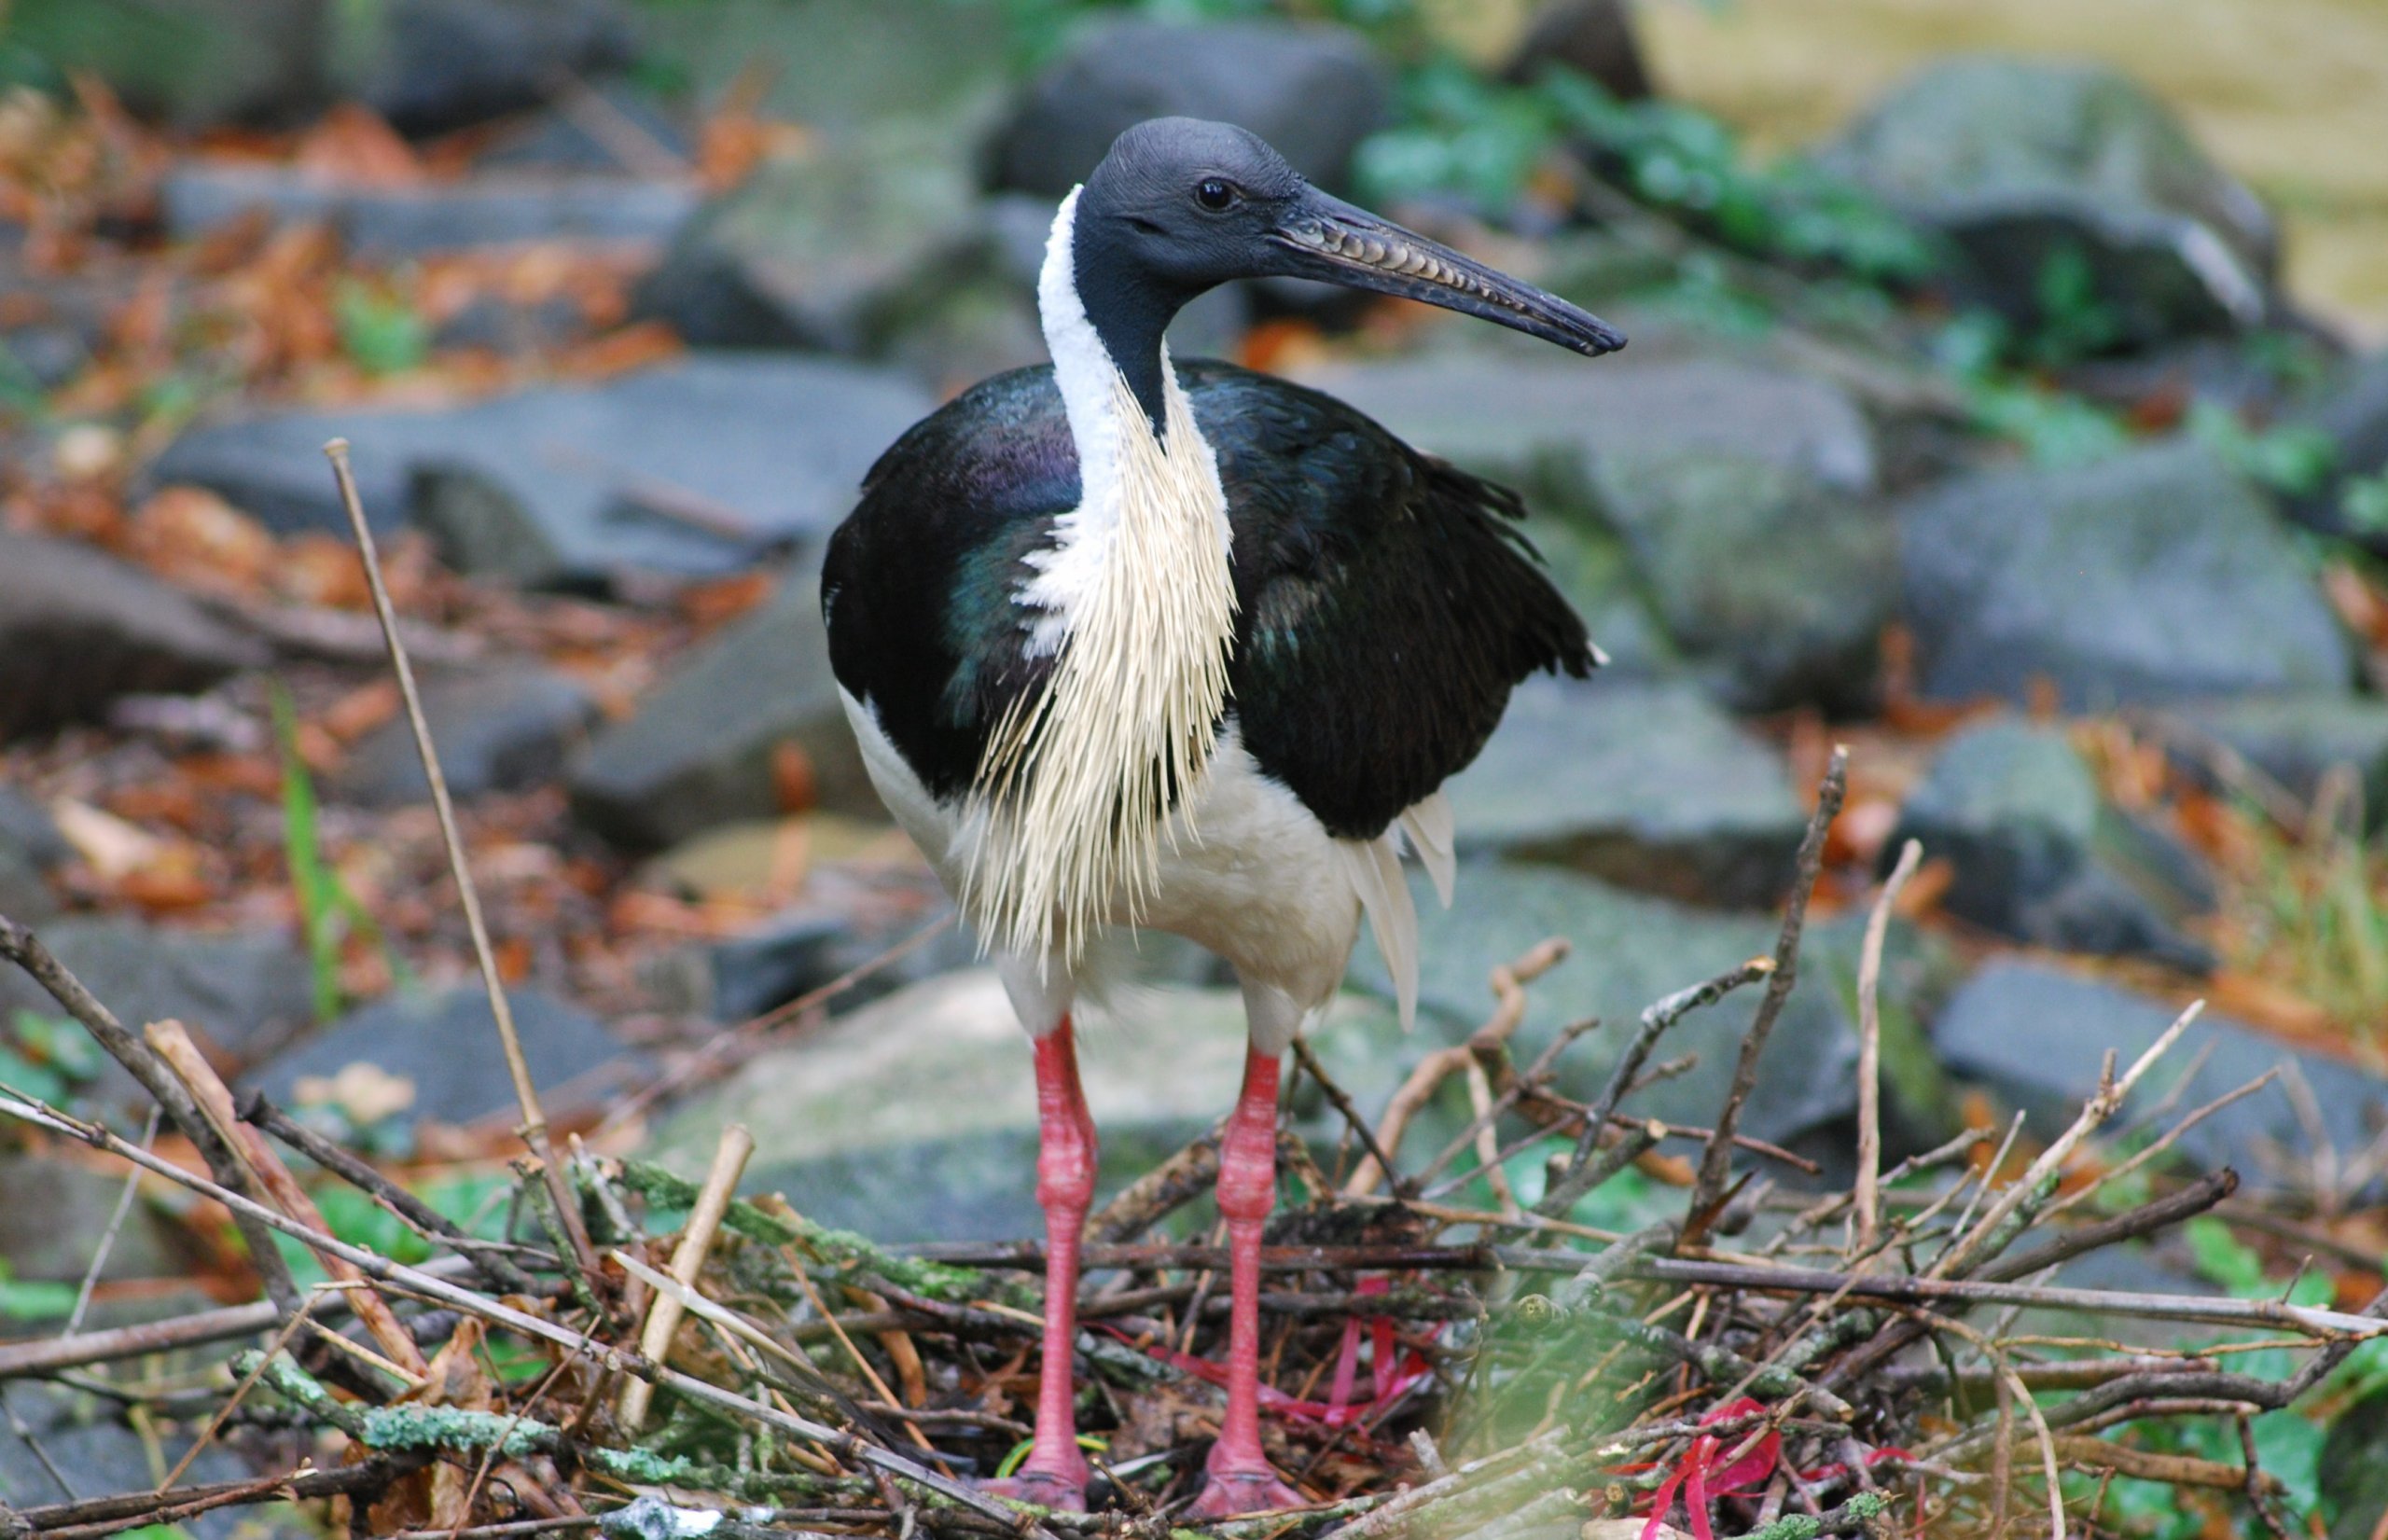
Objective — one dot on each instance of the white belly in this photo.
(1245, 870)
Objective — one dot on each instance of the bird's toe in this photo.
(1231, 1492)
(1060, 1492)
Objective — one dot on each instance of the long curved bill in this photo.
(1327, 238)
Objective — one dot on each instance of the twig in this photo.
(688, 1260)
(2100, 1108)
(1340, 1101)
(1574, 1181)
(1716, 1163)
(526, 1094)
(173, 1044)
(1869, 1195)
(24, 949)
(486, 1258)
(107, 1238)
(428, 1285)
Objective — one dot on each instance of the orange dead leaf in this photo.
(353, 146)
(321, 569)
(794, 784)
(634, 347)
(191, 536)
(361, 710)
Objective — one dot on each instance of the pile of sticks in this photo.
(636, 1354)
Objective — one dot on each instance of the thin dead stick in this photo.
(1340, 1101)
(1584, 1168)
(24, 949)
(1716, 1161)
(488, 1259)
(1508, 1010)
(2049, 1464)
(2095, 1112)
(173, 1044)
(240, 1391)
(1869, 1050)
(427, 1285)
(107, 1238)
(526, 1094)
(688, 1260)
(2326, 1326)
(2165, 1141)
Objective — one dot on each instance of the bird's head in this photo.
(1180, 205)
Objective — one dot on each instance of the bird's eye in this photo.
(1215, 195)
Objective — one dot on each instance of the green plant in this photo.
(329, 913)
(2293, 460)
(32, 1299)
(378, 331)
(2363, 504)
(46, 1058)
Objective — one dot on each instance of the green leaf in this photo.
(2222, 1257)
(378, 331)
(34, 1300)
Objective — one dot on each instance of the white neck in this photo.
(1135, 603)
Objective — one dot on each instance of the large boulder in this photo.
(243, 994)
(198, 197)
(2021, 161)
(837, 248)
(31, 847)
(1312, 90)
(2041, 856)
(915, 1116)
(1687, 466)
(1646, 783)
(427, 65)
(1628, 953)
(508, 729)
(2352, 415)
(689, 469)
(2039, 1038)
(77, 628)
(708, 745)
(445, 1043)
(2156, 575)
(194, 62)
(431, 65)
(2293, 740)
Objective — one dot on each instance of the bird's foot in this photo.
(1239, 1487)
(1063, 1491)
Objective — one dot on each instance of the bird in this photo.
(1132, 644)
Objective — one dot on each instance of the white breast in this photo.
(1246, 870)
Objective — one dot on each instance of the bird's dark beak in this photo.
(1327, 238)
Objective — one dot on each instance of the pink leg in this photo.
(1241, 1479)
(1055, 1473)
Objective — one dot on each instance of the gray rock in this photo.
(915, 1116)
(837, 249)
(493, 209)
(432, 65)
(1595, 38)
(446, 1043)
(699, 751)
(923, 59)
(98, 1454)
(1313, 92)
(2040, 855)
(54, 1213)
(1689, 466)
(507, 729)
(561, 138)
(77, 628)
(2157, 576)
(1629, 951)
(194, 62)
(2038, 1037)
(1539, 420)
(1774, 585)
(25, 894)
(2354, 415)
(2020, 160)
(2294, 740)
(685, 469)
(27, 828)
(243, 994)
(1644, 784)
